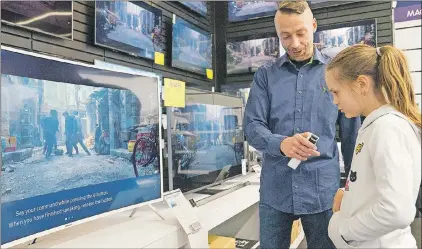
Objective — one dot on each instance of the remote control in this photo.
(294, 163)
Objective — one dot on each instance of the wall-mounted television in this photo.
(48, 17)
(206, 142)
(130, 27)
(199, 6)
(245, 10)
(246, 56)
(331, 39)
(317, 4)
(70, 144)
(191, 47)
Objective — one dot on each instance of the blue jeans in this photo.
(276, 228)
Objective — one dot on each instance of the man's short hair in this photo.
(293, 7)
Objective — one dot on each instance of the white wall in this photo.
(408, 37)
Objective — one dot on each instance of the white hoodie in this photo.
(380, 194)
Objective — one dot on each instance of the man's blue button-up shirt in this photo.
(283, 101)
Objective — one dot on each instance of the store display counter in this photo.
(236, 213)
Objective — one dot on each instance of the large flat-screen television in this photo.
(48, 17)
(331, 39)
(198, 6)
(245, 10)
(131, 27)
(78, 142)
(246, 56)
(206, 141)
(191, 47)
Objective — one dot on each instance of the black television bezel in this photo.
(248, 38)
(197, 29)
(44, 32)
(138, 3)
(194, 10)
(350, 24)
(319, 4)
(247, 19)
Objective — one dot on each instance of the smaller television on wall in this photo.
(245, 10)
(247, 55)
(191, 47)
(199, 6)
(318, 4)
(48, 17)
(331, 39)
(131, 27)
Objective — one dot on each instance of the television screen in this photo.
(49, 17)
(191, 47)
(131, 27)
(199, 7)
(206, 144)
(247, 56)
(245, 10)
(332, 39)
(77, 141)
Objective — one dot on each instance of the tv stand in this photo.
(217, 193)
(152, 208)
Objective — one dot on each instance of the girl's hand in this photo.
(337, 200)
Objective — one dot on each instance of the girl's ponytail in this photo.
(395, 82)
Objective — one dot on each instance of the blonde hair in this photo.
(388, 67)
(290, 7)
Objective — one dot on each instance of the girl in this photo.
(380, 194)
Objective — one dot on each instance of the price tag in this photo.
(159, 58)
(210, 74)
(174, 93)
(183, 210)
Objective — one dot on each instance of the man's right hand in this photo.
(298, 147)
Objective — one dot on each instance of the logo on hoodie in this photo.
(359, 148)
(353, 176)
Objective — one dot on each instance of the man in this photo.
(69, 131)
(50, 127)
(78, 139)
(289, 98)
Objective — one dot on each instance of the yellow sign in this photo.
(210, 74)
(159, 58)
(174, 93)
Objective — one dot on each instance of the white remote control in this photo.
(294, 163)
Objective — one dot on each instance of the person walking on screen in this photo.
(78, 137)
(289, 98)
(69, 131)
(378, 203)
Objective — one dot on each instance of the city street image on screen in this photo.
(59, 136)
(205, 139)
(191, 48)
(244, 10)
(129, 27)
(248, 56)
(200, 6)
(331, 41)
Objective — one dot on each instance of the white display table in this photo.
(147, 230)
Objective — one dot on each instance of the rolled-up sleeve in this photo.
(255, 123)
